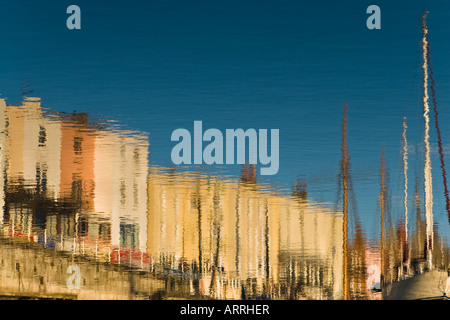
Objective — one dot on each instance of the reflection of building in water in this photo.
(72, 185)
(86, 190)
(77, 160)
(31, 161)
(121, 165)
(32, 148)
(76, 187)
(241, 236)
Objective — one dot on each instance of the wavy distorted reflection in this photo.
(80, 193)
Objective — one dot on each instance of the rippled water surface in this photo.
(94, 208)
(82, 195)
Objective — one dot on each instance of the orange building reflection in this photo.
(77, 161)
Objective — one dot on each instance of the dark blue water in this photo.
(156, 66)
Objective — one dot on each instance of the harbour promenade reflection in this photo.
(75, 192)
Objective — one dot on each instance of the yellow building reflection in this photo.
(243, 236)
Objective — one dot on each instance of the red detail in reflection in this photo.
(129, 256)
(441, 153)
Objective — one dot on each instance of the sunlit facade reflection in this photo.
(76, 192)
